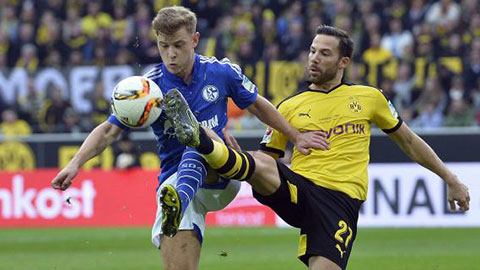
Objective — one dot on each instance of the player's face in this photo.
(177, 50)
(324, 62)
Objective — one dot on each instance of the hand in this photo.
(458, 192)
(64, 178)
(231, 142)
(312, 139)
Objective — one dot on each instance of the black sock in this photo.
(206, 143)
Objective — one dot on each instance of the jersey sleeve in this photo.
(274, 141)
(385, 116)
(240, 88)
(112, 119)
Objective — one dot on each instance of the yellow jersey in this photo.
(345, 113)
(17, 128)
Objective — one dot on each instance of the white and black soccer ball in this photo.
(136, 101)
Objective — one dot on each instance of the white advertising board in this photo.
(408, 195)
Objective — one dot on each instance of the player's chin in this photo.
(178, 71)
(315, 79)
(314, 75)
(173, 69)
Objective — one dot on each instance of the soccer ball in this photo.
(136, 102)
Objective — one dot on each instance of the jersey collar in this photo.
(176, 79)
(326, 91)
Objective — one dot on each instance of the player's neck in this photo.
(187, 76)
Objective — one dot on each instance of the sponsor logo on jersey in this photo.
(210, 93)
(210, 123)
(247, 84)
(345, 129)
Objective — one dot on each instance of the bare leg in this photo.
(181, 252)
(265, 178)
(322, 263)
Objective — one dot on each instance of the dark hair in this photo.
(171, 19)
(345, 44)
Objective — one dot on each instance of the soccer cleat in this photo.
(186, 125)
(171, 210)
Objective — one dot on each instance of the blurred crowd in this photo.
(424, 54)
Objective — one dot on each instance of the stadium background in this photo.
(59, 61)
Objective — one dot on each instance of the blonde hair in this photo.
(170, 19)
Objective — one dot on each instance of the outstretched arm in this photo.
(269, 115)
(419, 151)
(102, 136)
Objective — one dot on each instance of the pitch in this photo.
(234, 248)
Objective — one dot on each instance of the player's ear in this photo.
(344, 61)
(195, 39)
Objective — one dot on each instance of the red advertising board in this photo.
(245, 210)
(96, 198)
(104, 198)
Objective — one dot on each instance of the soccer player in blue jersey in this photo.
(185, 193)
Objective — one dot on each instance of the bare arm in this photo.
(419, 151)
(102, 136)
(269, 115)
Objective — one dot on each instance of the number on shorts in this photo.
(339, 236)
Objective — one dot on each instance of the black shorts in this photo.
(327, 219)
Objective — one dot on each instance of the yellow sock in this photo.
(218, 157)
(229, 163)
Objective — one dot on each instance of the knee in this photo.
(262, 160)
(263, 163)
(265, 179)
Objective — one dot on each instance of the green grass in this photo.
(246, 248)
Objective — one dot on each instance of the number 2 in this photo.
(340, 232)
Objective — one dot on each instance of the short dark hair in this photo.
(345, 44)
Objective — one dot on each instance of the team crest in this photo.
(355, 105)
(210, 93)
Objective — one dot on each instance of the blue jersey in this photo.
(213, 81)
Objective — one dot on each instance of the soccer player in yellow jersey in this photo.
(322, 192)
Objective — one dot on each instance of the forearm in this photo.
(269, 115)
(102, 136)
(419, 151)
